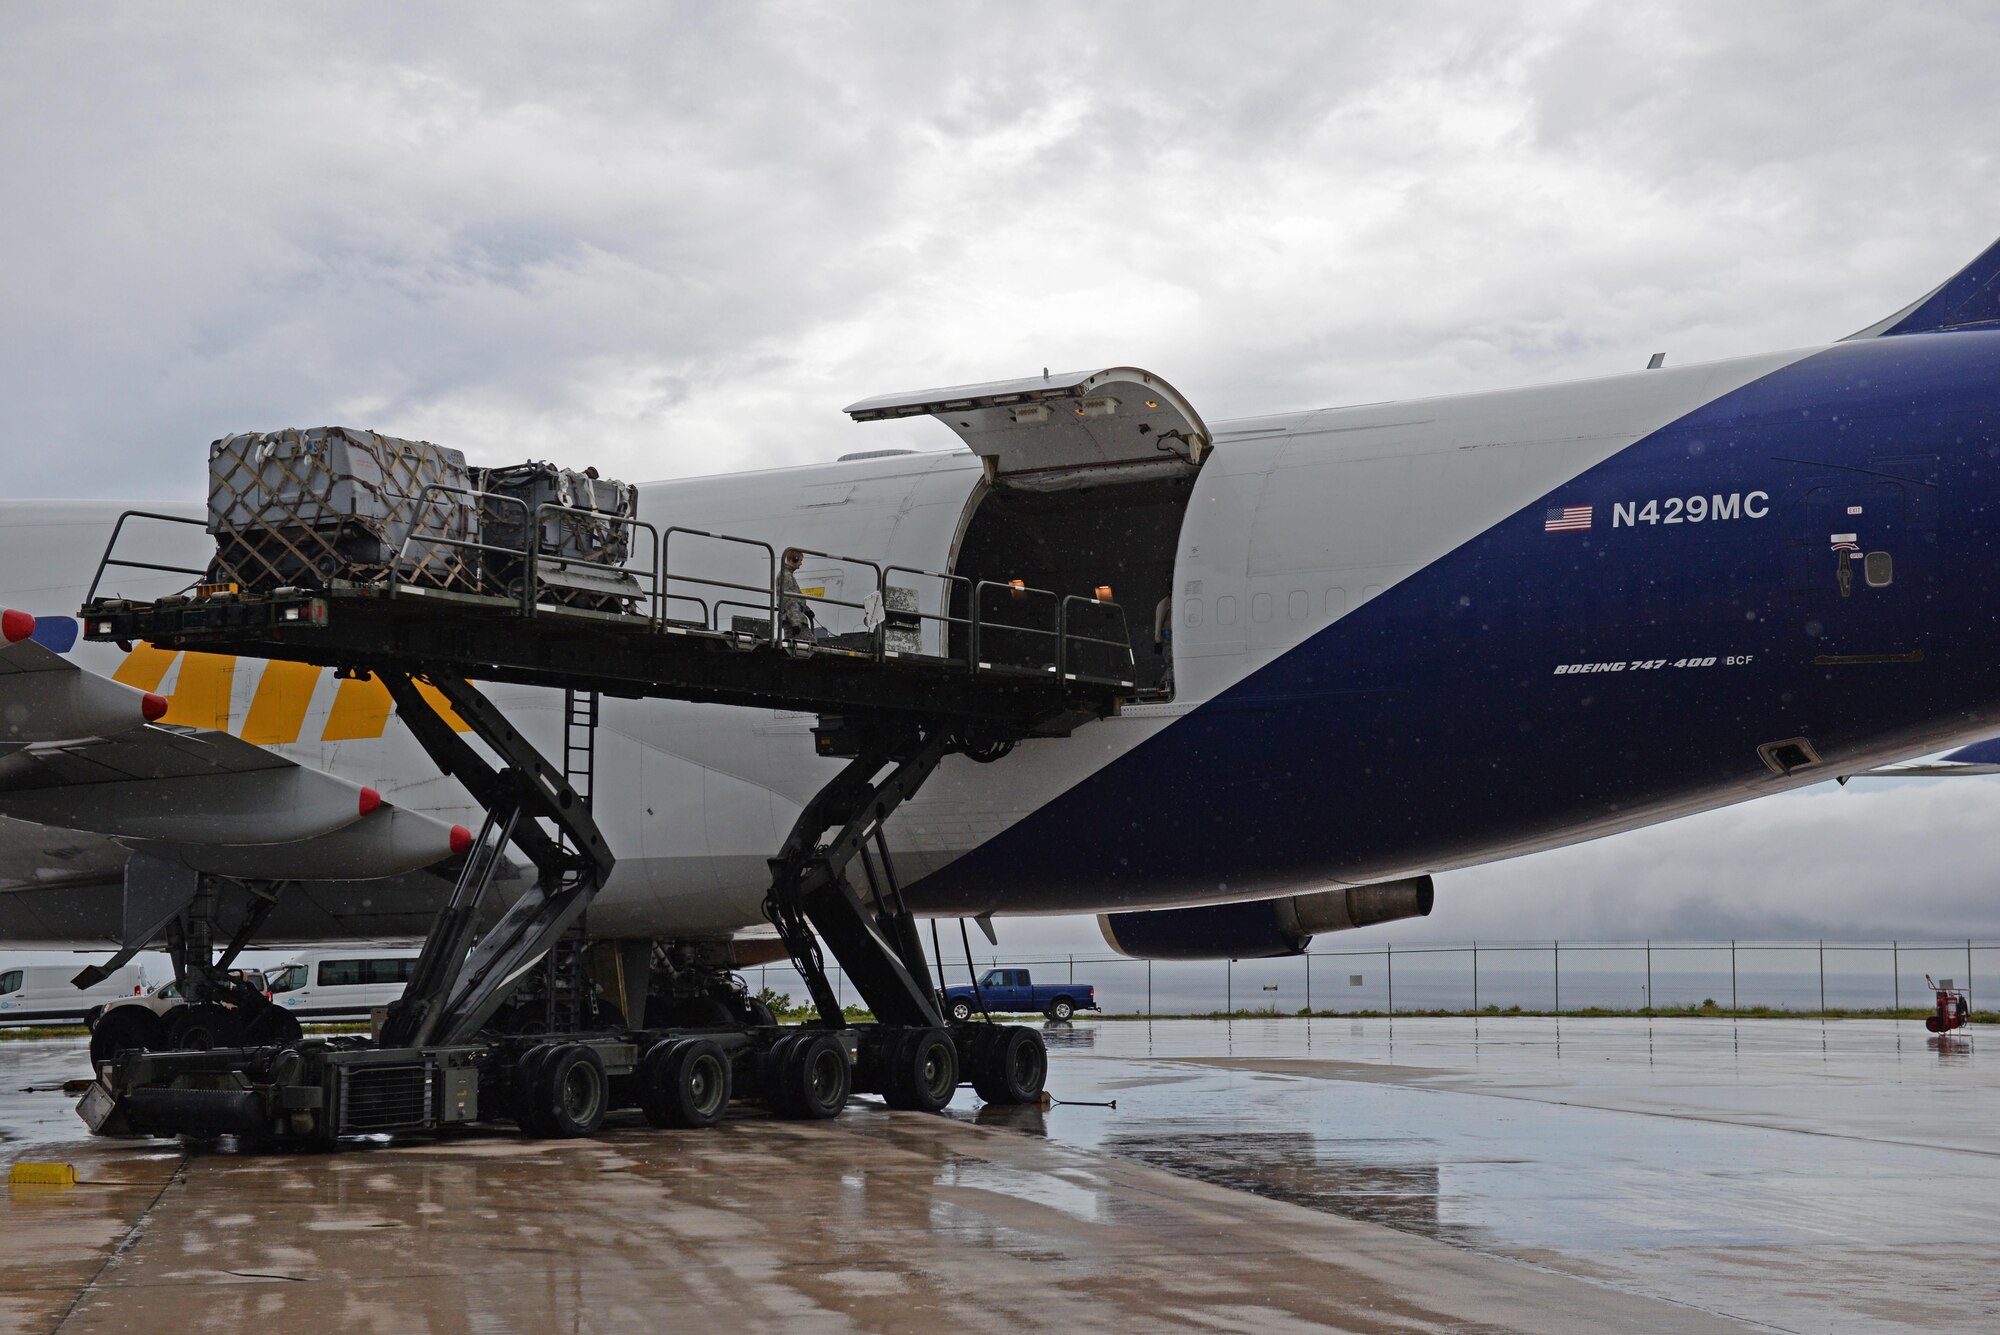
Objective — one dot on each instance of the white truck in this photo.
(341, 984)
(42, 994)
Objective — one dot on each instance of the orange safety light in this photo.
(1104, 593)
(1019, 586)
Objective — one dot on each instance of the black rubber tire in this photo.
(774, 1091)
(1010, 1066)
(923, 1075)
(1061, 1009)
(818, 1077)
(527, 1103)
(272, 1024)
(202, 1026)
(691, 1084)
(576, 1091)
(124, 1029)
(649, 1081)
(961, 1010)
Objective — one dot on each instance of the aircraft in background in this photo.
(1393, 640)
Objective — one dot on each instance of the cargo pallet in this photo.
(449, 1053)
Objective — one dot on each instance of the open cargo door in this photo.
(1054, 432)
(1088, 477)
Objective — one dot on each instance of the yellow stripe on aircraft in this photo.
(360, 710)
(435, 698)
(145, 667)
(278, 710)
(201, 696)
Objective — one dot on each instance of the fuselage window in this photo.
(1225, 610)
(1336, 603)
(1298, 604)
(1260, 607)
(1880, 569)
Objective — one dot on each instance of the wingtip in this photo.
(15, 625)
(461, 839)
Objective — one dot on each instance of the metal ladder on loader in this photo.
(458, 986)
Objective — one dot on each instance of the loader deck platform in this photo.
(1038, 676)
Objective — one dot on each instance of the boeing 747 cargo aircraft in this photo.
(1372, 643)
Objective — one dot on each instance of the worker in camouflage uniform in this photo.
(795, 617)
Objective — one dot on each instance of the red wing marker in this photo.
(16, 626)
(153, 707)
(461, 839)
(370, 799)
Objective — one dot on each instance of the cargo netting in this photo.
(301, 508)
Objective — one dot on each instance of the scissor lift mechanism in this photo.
(438, 1060)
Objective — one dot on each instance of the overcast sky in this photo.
(676, 239)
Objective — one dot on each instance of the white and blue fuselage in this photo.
(1407, 637)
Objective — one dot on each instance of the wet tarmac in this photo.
(1424, 1175)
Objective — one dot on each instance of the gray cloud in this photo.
(680, 238)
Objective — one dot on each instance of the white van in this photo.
(41, 993)
(341, 984)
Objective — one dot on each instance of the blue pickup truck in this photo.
(1012, 990)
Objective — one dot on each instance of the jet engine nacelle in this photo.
(1264, 928)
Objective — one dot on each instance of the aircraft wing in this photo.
(80, 754)
(1979, 758)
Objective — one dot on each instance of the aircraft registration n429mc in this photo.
(1371, 644)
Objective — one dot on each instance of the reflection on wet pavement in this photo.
(59, 1239)
(1690, 1175)
(1812, 1175)
(877, 1221)
(1290, 1166)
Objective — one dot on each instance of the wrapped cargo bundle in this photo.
(582, 533)
(302, 507)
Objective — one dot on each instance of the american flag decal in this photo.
(1563, 518)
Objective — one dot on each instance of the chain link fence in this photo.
(1803, 977)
